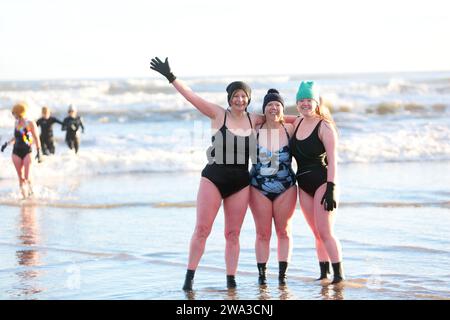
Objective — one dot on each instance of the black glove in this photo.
(38, 156)
(329, 198)
(163, 68)
(4, 146)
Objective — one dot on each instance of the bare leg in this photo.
(27, 162)
(261, 208)
(208, 204)
(324, 221)
(307, 205)
(283, 211)
(18, 164)
(235, 207)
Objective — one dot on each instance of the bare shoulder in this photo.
(257, 119)
(218, 118)
(327, 129)
(297, 121)
(290, 128)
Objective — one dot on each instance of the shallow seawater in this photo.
(126, 237)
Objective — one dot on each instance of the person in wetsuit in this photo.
(71, 125)
(25, 134)
(313, 145)
(45, 123)
(225, 178)
(273, 193)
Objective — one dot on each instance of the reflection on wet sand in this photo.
(285, 293)
(332, 292)
(28, 258)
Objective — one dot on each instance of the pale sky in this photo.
(49, 39)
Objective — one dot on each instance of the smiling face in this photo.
(307, 107)
(274, 111)
(239, 100)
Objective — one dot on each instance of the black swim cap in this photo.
(236, 85)
(272, 95)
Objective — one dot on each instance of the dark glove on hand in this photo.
(38, 156)
(329, 198)
(4, 146)
(163, 68)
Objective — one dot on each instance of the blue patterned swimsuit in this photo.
(272, 174)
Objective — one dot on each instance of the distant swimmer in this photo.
(45, 123)
(71, 125)
(25, 134)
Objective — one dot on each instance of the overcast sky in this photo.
(48, 39)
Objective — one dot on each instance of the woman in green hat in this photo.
(313, 145)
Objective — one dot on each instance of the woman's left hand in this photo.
(329, 197)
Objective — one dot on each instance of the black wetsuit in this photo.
(71, 126)
(311, 160)
(46, 137)
(23, 140)
(228, 160)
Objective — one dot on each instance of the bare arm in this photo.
(290, 119)
(37, 141)
(207, 108)
(290, 129)
(329, 139)
(257, 119)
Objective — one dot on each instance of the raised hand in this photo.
(163, 68)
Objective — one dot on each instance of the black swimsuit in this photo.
(228, 160)
(23, 140)
(311, 160)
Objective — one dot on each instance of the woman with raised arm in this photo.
(25, 133)
(225, 177)
(273, 193)
(313, 146)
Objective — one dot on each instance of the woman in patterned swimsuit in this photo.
(273, 194)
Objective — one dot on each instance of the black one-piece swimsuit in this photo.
(311, 160)
(228, 160)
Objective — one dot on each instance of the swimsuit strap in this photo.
(285, 130)
(248, 116)
(225, 118)
(295, 132)
(257, 133)
(250, 120)
(317, 126)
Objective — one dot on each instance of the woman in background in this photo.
(25, 133)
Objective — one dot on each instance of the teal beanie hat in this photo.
(307, 90)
